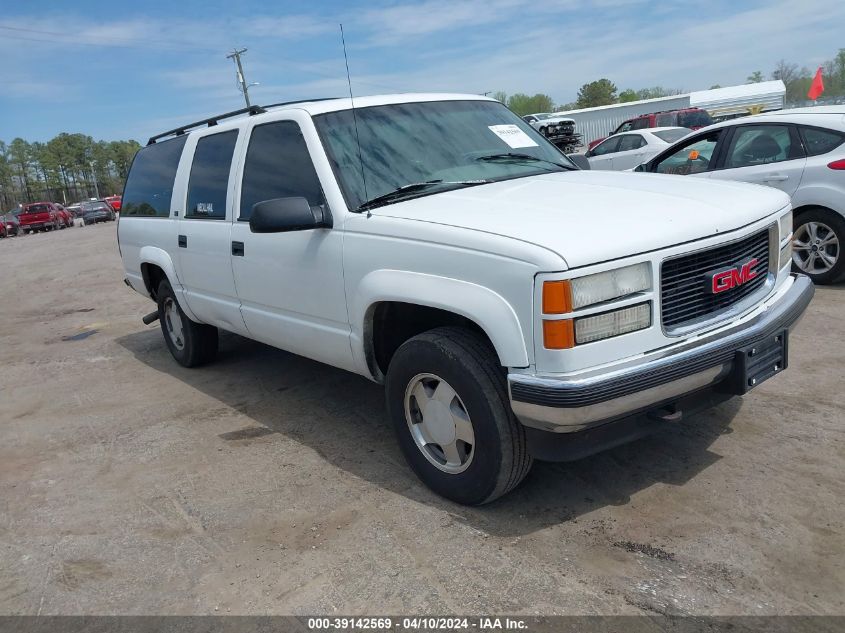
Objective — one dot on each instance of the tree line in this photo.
(66, 169)
(604, 92)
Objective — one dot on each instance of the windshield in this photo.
(670, 136)
(457, 142)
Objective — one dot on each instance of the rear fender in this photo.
(159, 257)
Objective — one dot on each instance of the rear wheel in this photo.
(817, 240)
(190, 343)
(447, 400)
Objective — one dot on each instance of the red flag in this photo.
(817, 87)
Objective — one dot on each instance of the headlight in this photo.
(614, 323)
(610, 284)
(785, 223)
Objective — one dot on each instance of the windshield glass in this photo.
(457, 142)
(670, 136)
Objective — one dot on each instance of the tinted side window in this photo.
(278, 165)
(606, 147)
(624, 127)
(149, 186)
(818, 141)
(641, 124)
(759, 145)
(667, 119)
(630, 142)
(209, 179)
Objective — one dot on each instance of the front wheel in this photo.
(447, 400)
(190, 343)
(817, 241)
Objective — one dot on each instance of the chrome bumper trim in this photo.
(572, 404)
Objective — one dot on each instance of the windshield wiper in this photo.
(404, 190)
(516, 156)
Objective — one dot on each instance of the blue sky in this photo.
(128, 70)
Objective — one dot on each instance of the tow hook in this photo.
(666, 414)
(151, 317)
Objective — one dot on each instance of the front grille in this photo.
(684, 280)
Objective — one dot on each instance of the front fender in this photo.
(483, 306)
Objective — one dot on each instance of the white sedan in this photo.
(625, 151)
(799, 151)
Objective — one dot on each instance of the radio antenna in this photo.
(354, 119)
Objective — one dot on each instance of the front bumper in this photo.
(565, 405)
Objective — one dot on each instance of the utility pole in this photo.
(236, 55)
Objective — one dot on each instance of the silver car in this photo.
(801, 152)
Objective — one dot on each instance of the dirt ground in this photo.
(270, 484)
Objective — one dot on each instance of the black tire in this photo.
(837, 224)
(199, 341)
(467, 362)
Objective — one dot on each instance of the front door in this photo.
(290, 284)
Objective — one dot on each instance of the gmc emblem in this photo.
(732, 277)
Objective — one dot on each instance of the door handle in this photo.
(775, 177)
(238, 249)
(183, 241)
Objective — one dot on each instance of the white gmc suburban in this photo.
(514, 306)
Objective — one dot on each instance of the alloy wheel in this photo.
(439, 423)
(815, 248)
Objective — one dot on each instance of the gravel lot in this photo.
(267, 483)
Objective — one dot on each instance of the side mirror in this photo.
(640, 167)
(287, 214)
(589, 153)
(580, 160)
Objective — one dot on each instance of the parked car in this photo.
(458, 273)
(113, 201)
(626, 151)
(11, 225)
(800, 152)
(40, 216)
(75, 209)
(65, 217)
(558, 129)
(691, 118)
(98, 211)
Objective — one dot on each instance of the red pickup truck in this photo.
(44, 216)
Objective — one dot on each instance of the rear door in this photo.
(204, 232)
(763, 153)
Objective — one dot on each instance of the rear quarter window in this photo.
(149, 186)
(818, 141)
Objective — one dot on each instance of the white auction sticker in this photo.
(512, 135)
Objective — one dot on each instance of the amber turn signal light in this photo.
(557, 297)
(558, 334)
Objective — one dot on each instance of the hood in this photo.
(587, 217)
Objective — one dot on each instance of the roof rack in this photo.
(179, 131)
(212, 121)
